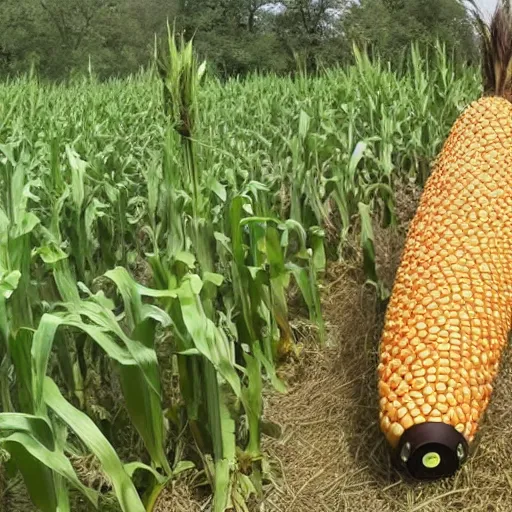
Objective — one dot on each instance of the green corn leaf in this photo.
(78, 169)
(223, 484)
(387, 195)
(187, 258)
(356, 157)
(224, 241)
(19, 348)
(153, 182)
(5, 395)
(141, 383)
(66, 283)
(275, 253)
(258, 274)
(132, 292)
(216, 279)
(189, 352)
(270, 369)
(66, 364)
(36, 426)
(157, 314)
(182, 466)
(9, 283)
(218, 189)
(292, 225)
(103, 339)
(253, 395)
(57, 214)
(132, 467)
(304, 124)
(105, 321)
(47, 490)
(306, 280)
(41, 349)
(37, 476)
(131, 299)
(237, 205)
(302, 279)
(25, 449)
(98, 297)
(50, 254)
(319, 260)
(25, 225)
(8, 151)
(204, 334)
(91, 436)
(135, 352)
(4, 227)
(94, 211)
(367, 242)
(144, 406)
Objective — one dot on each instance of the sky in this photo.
(487, 6)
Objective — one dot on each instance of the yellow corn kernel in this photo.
(458, 328)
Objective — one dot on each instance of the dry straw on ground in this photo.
(180, 498)
(332, 454)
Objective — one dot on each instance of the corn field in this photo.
(151, 230)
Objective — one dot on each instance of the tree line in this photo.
(116, 37)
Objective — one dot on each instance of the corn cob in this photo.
(450, 310)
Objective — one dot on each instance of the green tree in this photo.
(236, 36)
(22, 33)
(390, 26)
(310, 28)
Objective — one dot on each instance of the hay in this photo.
(181, 497)
(332, 456)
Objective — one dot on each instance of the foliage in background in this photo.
(61, 38)
(389, 26)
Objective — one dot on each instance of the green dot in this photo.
(431, 460)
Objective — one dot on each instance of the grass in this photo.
(153, 232)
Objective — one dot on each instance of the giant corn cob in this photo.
(450, 311)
